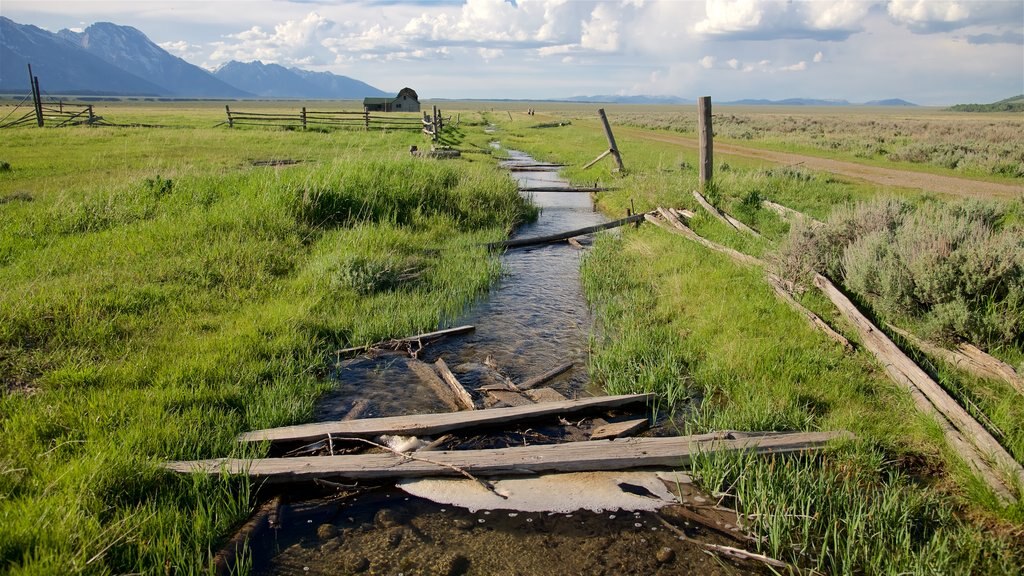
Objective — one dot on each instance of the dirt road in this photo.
(882, 176)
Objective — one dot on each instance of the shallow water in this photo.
(533, 319)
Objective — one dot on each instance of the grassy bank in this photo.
(162, 293)
(712, 338)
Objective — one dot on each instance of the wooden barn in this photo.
(406, 101)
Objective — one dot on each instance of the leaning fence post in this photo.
(706, 140)
(231, 123)
(611, 140)
(91, 117)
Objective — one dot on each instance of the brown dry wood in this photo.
(429, 376)
(776, 283)
(682, 229)
(612, 147)
(619, 429)
(706, 139)
(523, 242)
(545, 395)
(682, 213)
(787, 212)
(598, 159)
(595, 455)
(430, 424)
(575, 243)
(969, 358)
(359, 407)
(422, 338)
(711, 209)
(959, 427)
(737, 224)
(465, 400)
(546, 376)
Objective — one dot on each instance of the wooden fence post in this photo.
(303, 117)
(440, 120)
(37, 103)
(611, 140)
(706, 140)
(231, 123)
(366, 117)
(91, 117)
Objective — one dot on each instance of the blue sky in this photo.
(928, 51)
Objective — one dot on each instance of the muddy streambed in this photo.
(534, 319)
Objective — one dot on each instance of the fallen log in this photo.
(776, 283)
(598, 159)
(969, 438)
(463, 397)
(737, 224)
(711, 209)
(594, 455)
(537, 240)
(432, 424)
(969, 358)
(545, 395)
(788, 213)
(683, 230)
(429, 376)
(542, 378)
(619, 429)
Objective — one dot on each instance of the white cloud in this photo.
(707, 62)
(798, 67)
(489, 54)
(601, 32)
(775, 19)
(818, 57)
(930, 16)
(733, 63)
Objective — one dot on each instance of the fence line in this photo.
(321, 118)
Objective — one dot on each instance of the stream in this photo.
(533, 319)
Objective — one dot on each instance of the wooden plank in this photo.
(958, 426)
(598, 159)
(619, 429)
(537, 240)
(546, 376)
(969, 358)
(776, 283)
(429, 376)
(739, 225)
(432, 424)
(711, 209)
(545, 395)
(596, 455)
(674, 225)
(788, 213)
(465, 400)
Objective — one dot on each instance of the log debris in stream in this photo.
(546, 376)
(567, 189)
(596, 455)
(431, 424)
(538, 240)
(403, 343)
(463, 397)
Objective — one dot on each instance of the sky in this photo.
(930, 52)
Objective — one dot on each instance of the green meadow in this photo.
(164, 289)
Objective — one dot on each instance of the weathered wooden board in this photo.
(619, 429)
(465, 400)
(426, 373)
(969, 438)
(594, 455)
(969, 358)
(422, 338)
(430, 424)
(542, 378)
(537, 240)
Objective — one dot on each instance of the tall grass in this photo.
(154, 317)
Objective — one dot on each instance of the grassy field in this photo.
(165, 291)
(712, 337)
(162, 294)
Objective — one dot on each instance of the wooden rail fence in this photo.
(349, 119)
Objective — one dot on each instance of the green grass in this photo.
(161, 295)
(713, 340)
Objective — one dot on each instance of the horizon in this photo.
(952, 52)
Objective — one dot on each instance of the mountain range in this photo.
(108, 59)
(610, 99)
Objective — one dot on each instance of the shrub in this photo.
(957, 268)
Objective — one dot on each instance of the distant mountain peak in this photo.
(276, 81)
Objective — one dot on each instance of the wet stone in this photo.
(386, 518)
(330, 546)
(326, 531)
(463, 524)
(394, 538)
(665, 555)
